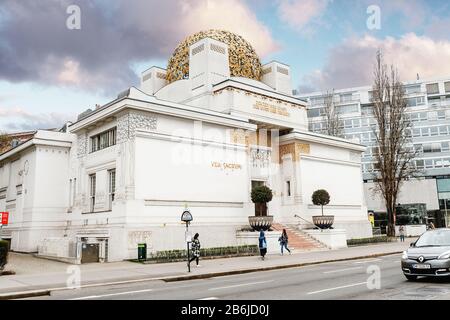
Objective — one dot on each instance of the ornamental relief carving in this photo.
(243, 60)
(260, 158)
(129, 123)
(82, 143)
(295, 149)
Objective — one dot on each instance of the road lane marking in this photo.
(337, 288)
(209, 298)
(342, 270)
(367, 261)
(111, 294)
(240, 285)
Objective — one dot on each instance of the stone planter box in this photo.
(323, 222)
(260, 223)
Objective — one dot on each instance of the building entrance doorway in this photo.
(89, 252)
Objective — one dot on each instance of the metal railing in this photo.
(309, 222)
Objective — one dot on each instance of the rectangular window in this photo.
(346, 97)
(447, 86)
(313, 113)
(356, 123)
(418, 147)
(348, 124)
(429, 164)
(443, 130)
(412, 102)
(412, 89)
(446, 162)
(366, 137)
(445, 146)
(288, 188)
(434, 131)
(432, 88)
(111, 186)
(427, 148)
(423, 116)
(365, 122)
(92, 187)
(432, 147)
(441, 115)
(438, 163)
(103, 140)
(317, 100)
(416, 132)
(419, 164)
(432, 116)
(425, 132)
(374, 151)
(347, 109)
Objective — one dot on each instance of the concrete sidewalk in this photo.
(51, 275)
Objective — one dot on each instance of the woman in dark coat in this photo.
(284, 241)
(195, 246)
(262, 244)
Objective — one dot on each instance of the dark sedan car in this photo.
(428, 256)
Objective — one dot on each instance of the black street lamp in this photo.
(187, 218)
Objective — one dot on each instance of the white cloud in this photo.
(299, 13)
(18, 119)
(115, 35)
(351, 63)
(230, 15)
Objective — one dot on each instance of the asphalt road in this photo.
(377, 278)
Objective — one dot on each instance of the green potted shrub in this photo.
(321, 198)
(260, 196)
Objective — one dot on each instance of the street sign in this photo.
(5, 216)
(188, 236)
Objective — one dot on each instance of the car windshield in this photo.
(434, 238)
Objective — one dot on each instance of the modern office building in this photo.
(429, 110)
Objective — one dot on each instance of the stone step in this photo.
(299, 240)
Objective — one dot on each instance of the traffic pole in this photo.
(187, 243)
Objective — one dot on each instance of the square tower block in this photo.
(153, 79)
(208, 64)
(278, 76)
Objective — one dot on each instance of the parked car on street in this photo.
(428, 256)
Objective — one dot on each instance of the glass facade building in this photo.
(429, 111)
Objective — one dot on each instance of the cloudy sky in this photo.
(50, 73)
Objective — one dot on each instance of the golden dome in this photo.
(244, 62)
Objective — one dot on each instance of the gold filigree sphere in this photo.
(244, 62)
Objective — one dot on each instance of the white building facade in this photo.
(124, 173)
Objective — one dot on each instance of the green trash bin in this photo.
(142, 251)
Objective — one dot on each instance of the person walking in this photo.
(262, 244)
(195, 246)
(284, 241)
(402, 233)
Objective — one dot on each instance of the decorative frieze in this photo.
(260, 158)
(259, 96)
(295, 149)
(129, 123)
(82, 145)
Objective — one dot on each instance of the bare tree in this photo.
(392, 130)
(332, 116)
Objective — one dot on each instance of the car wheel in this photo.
(410, 278)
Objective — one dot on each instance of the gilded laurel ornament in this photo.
(244, 62)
